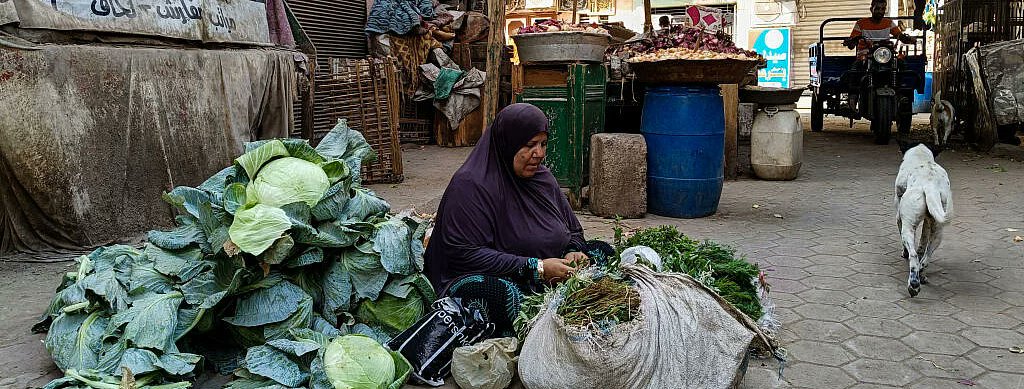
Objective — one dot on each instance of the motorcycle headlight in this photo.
(883, 55)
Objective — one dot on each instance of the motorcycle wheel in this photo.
(882, 129)
(881, 120)
(817, 113)
(905, 115)
(903, 123)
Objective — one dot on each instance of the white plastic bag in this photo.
(629, 256)
(490, 364)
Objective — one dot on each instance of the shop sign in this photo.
(775, 45)
(234, 21)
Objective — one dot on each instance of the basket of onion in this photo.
(552, 41)
(691, 55)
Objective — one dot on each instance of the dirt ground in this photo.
(828, 242)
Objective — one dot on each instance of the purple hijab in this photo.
(491, 221)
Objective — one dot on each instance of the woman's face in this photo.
(527, 160)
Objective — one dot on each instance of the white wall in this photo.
(630, 13)
(743, 22)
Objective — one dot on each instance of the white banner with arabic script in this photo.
(234, 21)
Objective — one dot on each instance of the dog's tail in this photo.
(933, 198)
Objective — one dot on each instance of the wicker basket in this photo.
(366, 92)
(686, 71)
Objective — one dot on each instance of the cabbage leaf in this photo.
(255, 229)
(253, 160)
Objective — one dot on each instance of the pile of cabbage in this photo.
(282, 270)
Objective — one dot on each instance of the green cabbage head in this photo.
(289, 180)
(358, 362)
(256, 228)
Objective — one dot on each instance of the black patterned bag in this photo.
(430, 343)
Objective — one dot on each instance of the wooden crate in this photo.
(468, 133)
(416, 123)
(366, 92)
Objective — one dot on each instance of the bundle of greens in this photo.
(714, 265)
(603, 302)
(272, 258)
(597, 298)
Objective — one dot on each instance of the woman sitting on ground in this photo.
(504, 227)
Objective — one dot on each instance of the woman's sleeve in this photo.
(577, 242)
(469, 238)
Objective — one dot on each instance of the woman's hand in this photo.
(557, 270)
(578, 259)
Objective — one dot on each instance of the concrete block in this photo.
(618, 175)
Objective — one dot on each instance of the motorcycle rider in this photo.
(869, 30)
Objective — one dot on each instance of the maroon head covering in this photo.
(491, 221)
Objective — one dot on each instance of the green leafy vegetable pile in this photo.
(272, 258)
(714, 265)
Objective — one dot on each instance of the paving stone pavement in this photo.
(833, 260)
(838, 278)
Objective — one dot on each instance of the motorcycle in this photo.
(884, 83)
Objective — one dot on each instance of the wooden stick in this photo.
(394, 104)
(575, 9)
(495, 49)
(648, 26)
(731, 101)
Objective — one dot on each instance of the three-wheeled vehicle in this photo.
(885, 86)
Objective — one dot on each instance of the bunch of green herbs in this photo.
(715, 266)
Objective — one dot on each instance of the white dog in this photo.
(922, 198)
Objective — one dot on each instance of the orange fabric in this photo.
(883, 29)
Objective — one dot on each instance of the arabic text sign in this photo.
(774, 44)
(238, 21)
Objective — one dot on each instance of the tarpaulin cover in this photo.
(90, 137)
(398, 16)
(8, 14)
(457, 100)
(1002, 63)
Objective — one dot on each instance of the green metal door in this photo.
(575, 111)
(592, 92)
(555, 102)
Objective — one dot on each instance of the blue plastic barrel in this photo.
(684, 127)
(923, 101)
